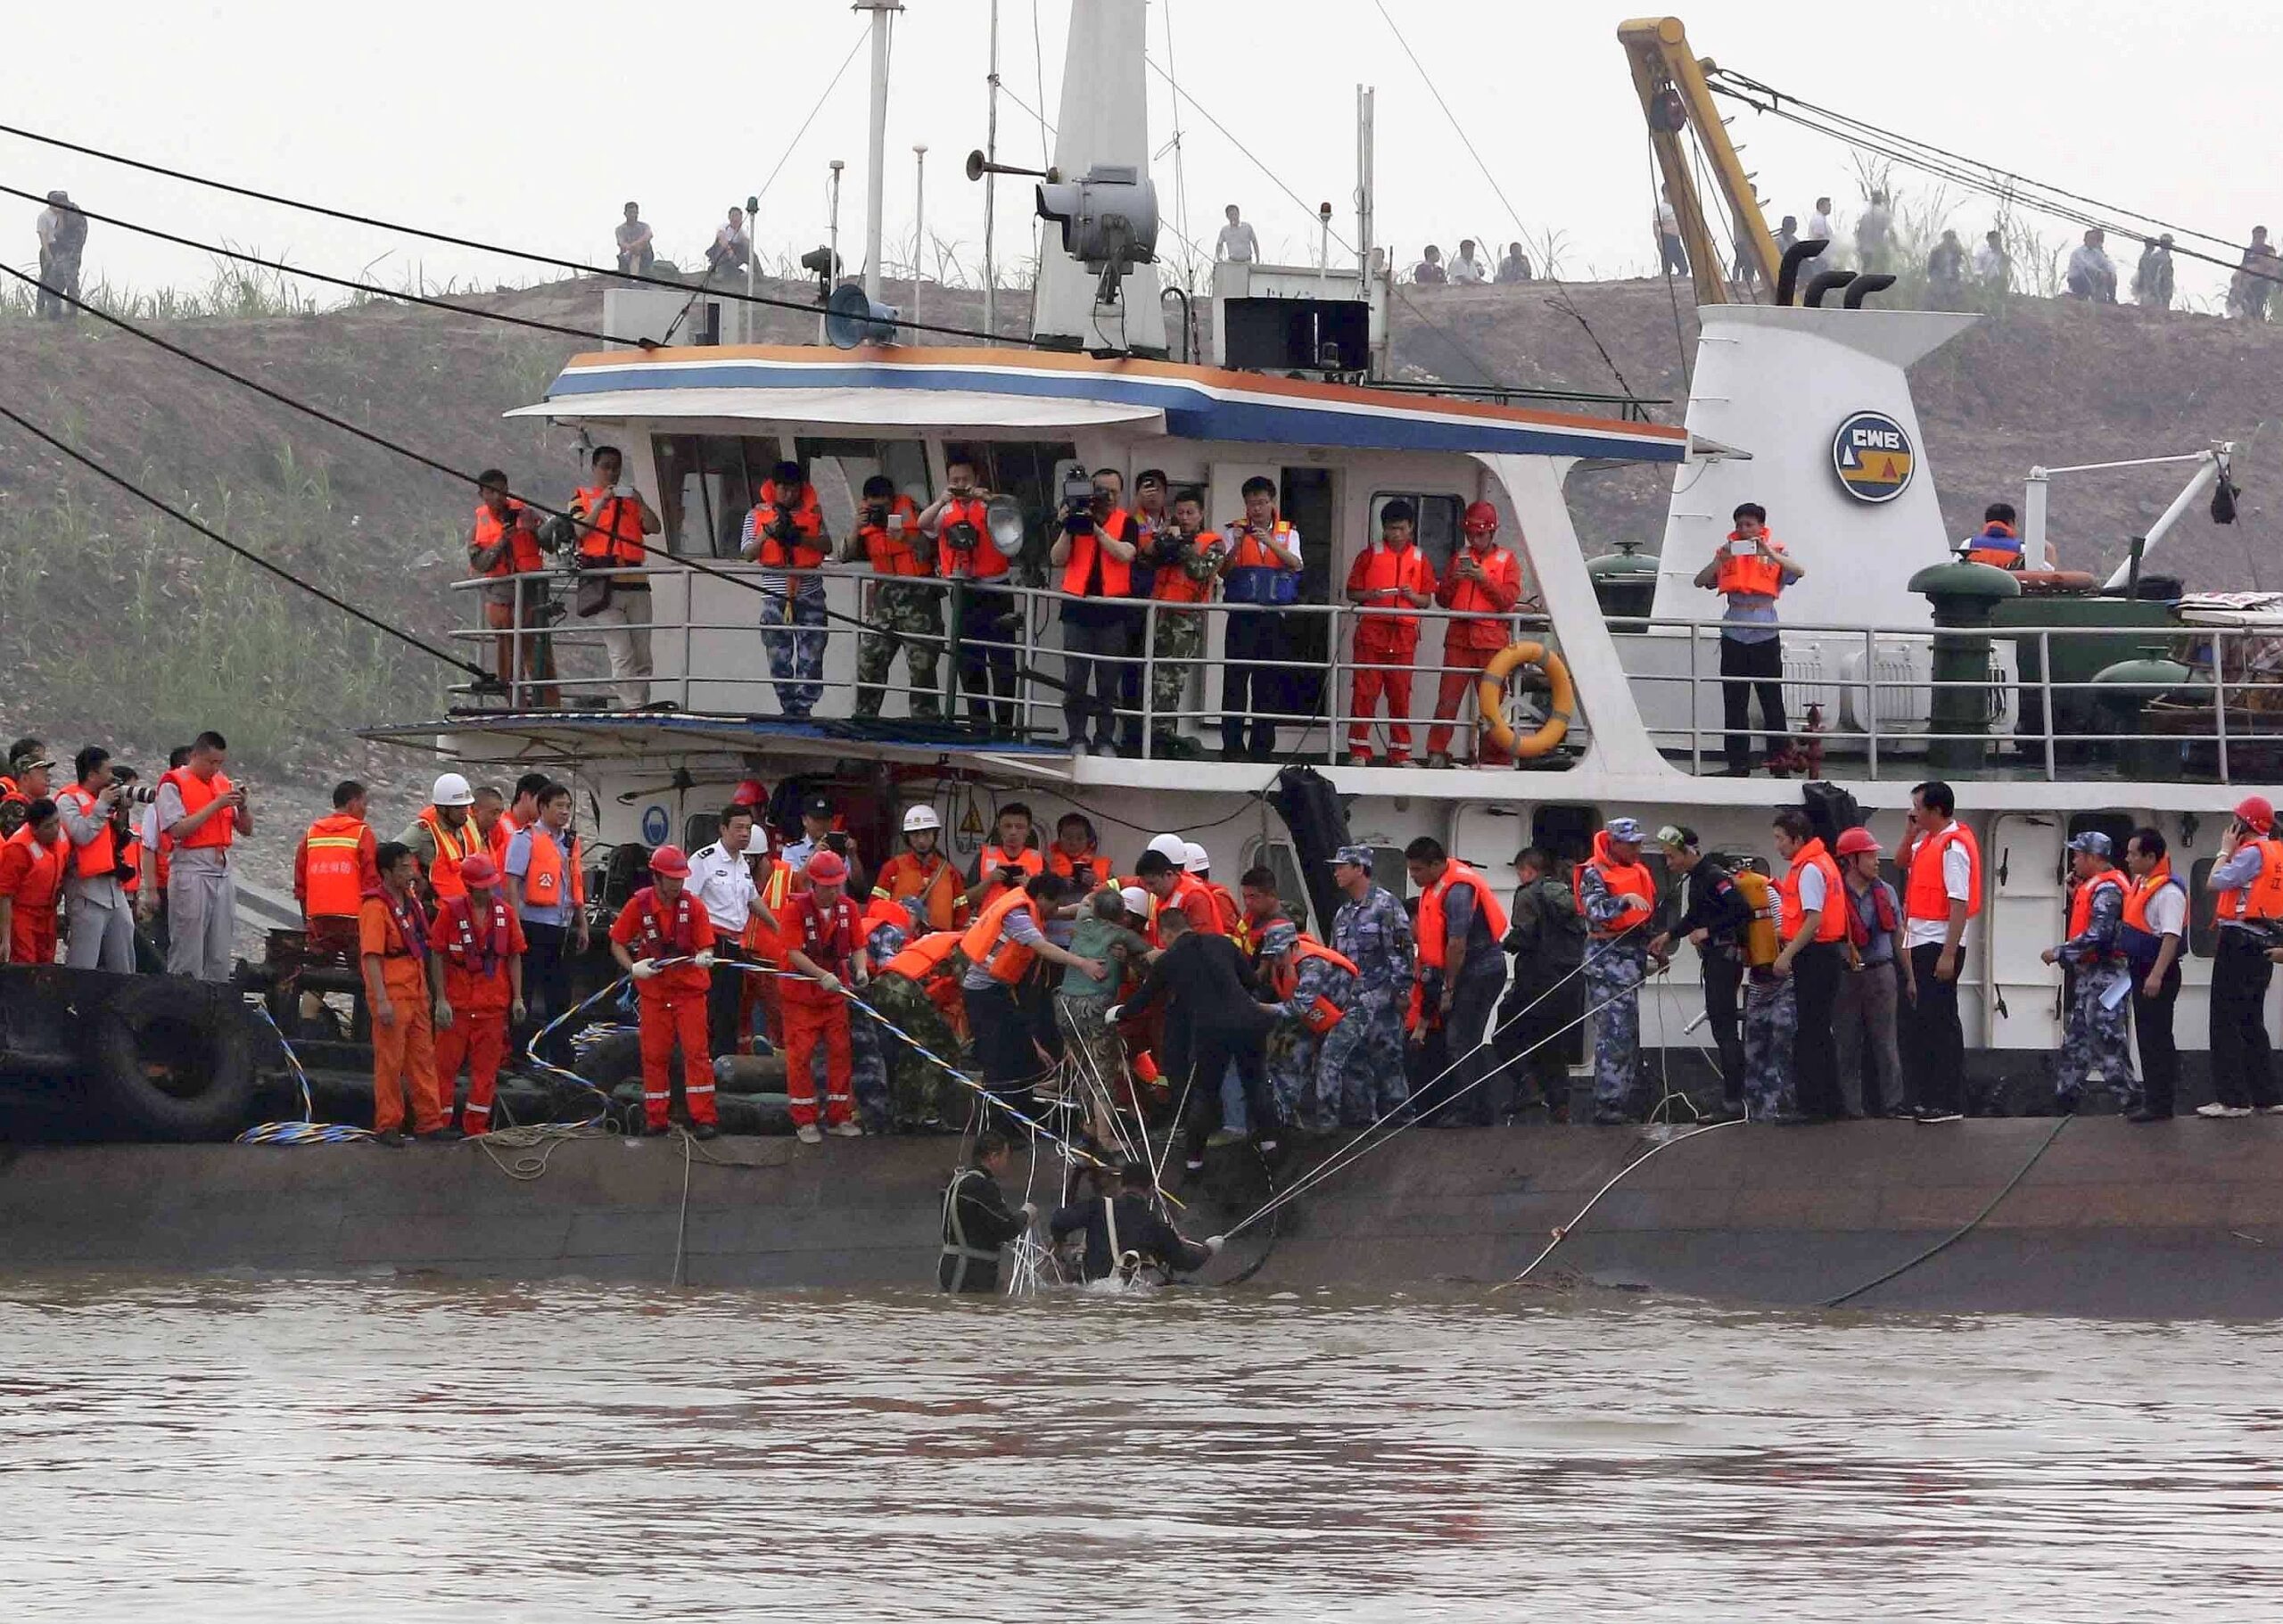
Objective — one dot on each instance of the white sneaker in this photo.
(846, 1130)
(2217, 1109)
(808, 1135)
(2271, 1110)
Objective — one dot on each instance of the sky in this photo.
(530, 124)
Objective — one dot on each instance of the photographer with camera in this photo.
(958, 523)
(504, 549)
(96, 813)
(611, 517)
(784, 531)
(1094, 550)
(1187, 561)
(1263, 570)
(899, 614)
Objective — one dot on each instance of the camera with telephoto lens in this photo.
(1078, 503)
(131, 790)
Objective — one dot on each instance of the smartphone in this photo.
(625, 490)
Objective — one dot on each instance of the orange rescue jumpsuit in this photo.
(1387, 641)
(672, 1003)
(404, 1051)
(1470, 645)
(830, 938)
(32, 878)
(476, 987)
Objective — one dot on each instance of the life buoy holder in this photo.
(1490, 699)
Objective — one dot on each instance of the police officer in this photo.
(1616, 896)
(2095, 1037)
(1372, 932)
(784, 531)
(1712, 922)
(976, 1220)
(904, 614)
(1315, 994)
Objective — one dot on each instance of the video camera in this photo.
(1077, 502)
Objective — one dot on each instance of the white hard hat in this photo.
(922, 816)
(1173, 848)
(1137, 900)
(452, 790)
(1193, 857)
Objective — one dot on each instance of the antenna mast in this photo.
(876, 161)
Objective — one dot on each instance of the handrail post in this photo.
(1146, 664)
(2045, 688)
(1696, 706)
(2220, 696)
(1871, 698)
(1332, 701)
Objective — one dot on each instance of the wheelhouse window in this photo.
(838, 468)
(1437, 527)
(706, 485)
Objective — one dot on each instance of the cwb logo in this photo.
(1872, 458)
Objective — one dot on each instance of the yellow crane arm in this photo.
(1669, 79)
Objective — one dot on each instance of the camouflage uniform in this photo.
(1771, 1022)
(1305, 1069)
(1174, 653)
(1365, 1051)
(906, 617)
(1613, 974)
(867, 1053)
(2094, 1039)
(916, 1084)
(796, 656)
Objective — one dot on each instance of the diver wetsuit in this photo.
(1137, 1228)
(977, 1223)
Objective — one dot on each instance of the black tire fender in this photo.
(173, 1060)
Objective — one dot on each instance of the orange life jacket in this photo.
(806, 551)
(2142, 944)
(543, 878)
(1831, 921)
(2081, 912)
(1117, 573)
(1095, 869)
(924, 958)
(1924, 896)
(829, 935)
(1379, 573)
(1467, 596)
(332, 867)
(1324, 1014)
(612, 536)
(931, 878)
(523, 556)
(100, 856)
(218, 830)
(1631, 880)
(1173, 584)
(991, 860)
(2003, 557)
(893, 554)
(478, 949)
(1433, 935)
(987, 944)
(982, 562)
(453, 848)
(43, 880)
(2262, 899)
(1760, 577)
(1230, 917)
(1255, 575)
(777, 877)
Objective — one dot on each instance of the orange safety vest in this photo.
(332, 867)
(612, 537)
(453, 848)
(1627, 879)
(543, 877)
(2002, 558)
(1117, 573)
(1923, 895)
(933, 879)
(482, 952)
(1254, 575)
(776, 891)
(100, 856)
(1379, 572)
(2080, 912)
(991, 860)
(1467, 595)
(1831, 923)
(924, 958)
(1096, 868)
(1184, 887)
(808, 528)
(523, 556)
(1760, 577)
(218, 830)
(1324, 1014)
(1432, 934)
(1173, 584)
(44, 879)
(982, 562)
(1231, 918)
(2262, 899)
(895, 554)
(999, 956)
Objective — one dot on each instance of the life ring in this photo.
(2037, 584)
(1490, 699)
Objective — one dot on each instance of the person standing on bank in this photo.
(1942, 890)
(1714, 915)
(976, 1220)
(1263, 574)
(2156, 923)
(1094, 550)
(393, 934)
(99, 919)
(612, 517)
(1751, 571)
(2247, 882)
(1547, 999)
(1874, 984)
(1811, 922)
(2095, 1037)
(202, 813)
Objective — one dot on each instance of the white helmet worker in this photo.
(1193, 857)
(1173, 848)
(922, 816)
(451, 790)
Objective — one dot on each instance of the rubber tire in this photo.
(612, 1061)
(200, 1033)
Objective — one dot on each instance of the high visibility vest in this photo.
(1629, 880)
(1175, 584)
(1381, 571)
(612, 537)
(1094, 870)
(44, 879)
(1433, 934)
(983, 561)
(544, 878)
(453, 848)
(986, 945)
(2141, 945)
(196, 793)
(1186, 886)
(924, 958)
(1997, 545)
(892, 554)
(932, 878)
(1831, 923)
(2081, 912)
(1924, 896)
(1117, 573)
(776, 892)
(991, 860)
(1324, 1014)
(523, 556)
(806, 551)
(1760, 577)
(2262, 899)
(1257, 575)
(332, 867)
(100, 856)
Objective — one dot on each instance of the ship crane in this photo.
(1676, 97)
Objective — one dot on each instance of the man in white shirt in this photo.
(2156, 923)
(1935, 908)
(62, 238)
(732, 249)
(1992, 267)
(1236, 244)
(2092, 275)
(1466, 270)
(1671, 256)
(721, 877)
(1819, 229)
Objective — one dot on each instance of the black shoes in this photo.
(705, 1130)
(1932, 1114)
(393, 1139)
(2145, 1114)
(1608, 1117)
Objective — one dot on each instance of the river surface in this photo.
(404, 1451)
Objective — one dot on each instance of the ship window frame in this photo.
(721, 529)
(1438, 546)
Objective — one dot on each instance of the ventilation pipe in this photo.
(1830, 282)
(1877, 282)
(1787, 275)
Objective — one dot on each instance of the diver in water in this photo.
(1125, 1235)
(976, 1219)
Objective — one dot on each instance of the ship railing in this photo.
(2161, 703)
(718, 662)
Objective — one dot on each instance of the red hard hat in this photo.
(827, 868)
(1480, 517)
(2256, 810)
(670, 862)
(749, 794)
(479, 870)
(1854, 840)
